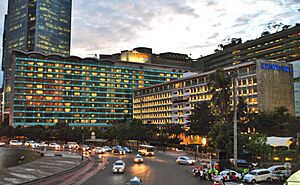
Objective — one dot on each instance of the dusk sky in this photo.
(193, 27)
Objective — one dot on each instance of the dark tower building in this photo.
(35, 25)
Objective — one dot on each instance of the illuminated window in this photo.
(67, 109)
(39, 92)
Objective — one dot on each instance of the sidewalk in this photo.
(41, 168)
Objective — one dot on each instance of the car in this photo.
(85, 148)
(258, 175)
(277, 169)
(138, 159)
(42, 144)
(2, 143)
(135, 181)
(15, 143)
(31, 144)
(107, 148)
(230, 175)
(127, 150)
(119, 167)
(99, 150)
(185, 160)
(54, 146)
(73, 145)
(243, 163)
(118, 150)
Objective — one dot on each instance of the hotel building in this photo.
(264, 85)
(280, 46)
(49, 89)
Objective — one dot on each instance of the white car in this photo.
(42, 144)
(31, 144)
(99, 150)
(15, 143)
(54, 146)
(258, 175)
(73, 145)
(227, 175)
(119, 167)
(185, 160)
(2, 143)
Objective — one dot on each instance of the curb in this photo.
(83, 163)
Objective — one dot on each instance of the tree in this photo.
(201, 119)
(219, 84)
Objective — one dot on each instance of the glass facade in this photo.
(80, 92)
(36, 25)
(53, 26)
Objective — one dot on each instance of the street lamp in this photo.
(235, 74)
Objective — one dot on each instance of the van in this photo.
(258, 175)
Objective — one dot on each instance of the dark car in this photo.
(127, 150)
(135, 181)
(243, 163)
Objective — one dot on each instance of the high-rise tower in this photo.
(35, 25)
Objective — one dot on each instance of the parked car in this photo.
(15, 143)
(54, 146)
(135, 181)
(99, 150)
(2, 143)
(258, 175)
(230, 175)
(119, 167)
(243, 163)
(185, 160)
(279, 173)
(138, 159)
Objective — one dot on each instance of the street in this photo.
(160, 169)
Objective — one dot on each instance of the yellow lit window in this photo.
(94, 94)
(40, 63)
(68, 66)
(67, 109)
(29, 74)
(77, 94)
(40, 69)
(49, 75)
(49, 98)
(39, 92)
(39, 86)
(28, 97)
(49, 70)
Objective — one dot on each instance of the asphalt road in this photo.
(158, 170)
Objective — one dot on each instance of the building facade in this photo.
(281, 46)
(296, 66)
(264, 85)
(50, 89)
(36, 25)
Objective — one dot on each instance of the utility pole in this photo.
(234, 118)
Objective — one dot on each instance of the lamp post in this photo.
(234, 118)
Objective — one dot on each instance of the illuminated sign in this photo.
(276, 67)
(134, 56)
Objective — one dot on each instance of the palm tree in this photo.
(219, 84)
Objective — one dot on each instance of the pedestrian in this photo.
(198, 175)
(201, 175)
